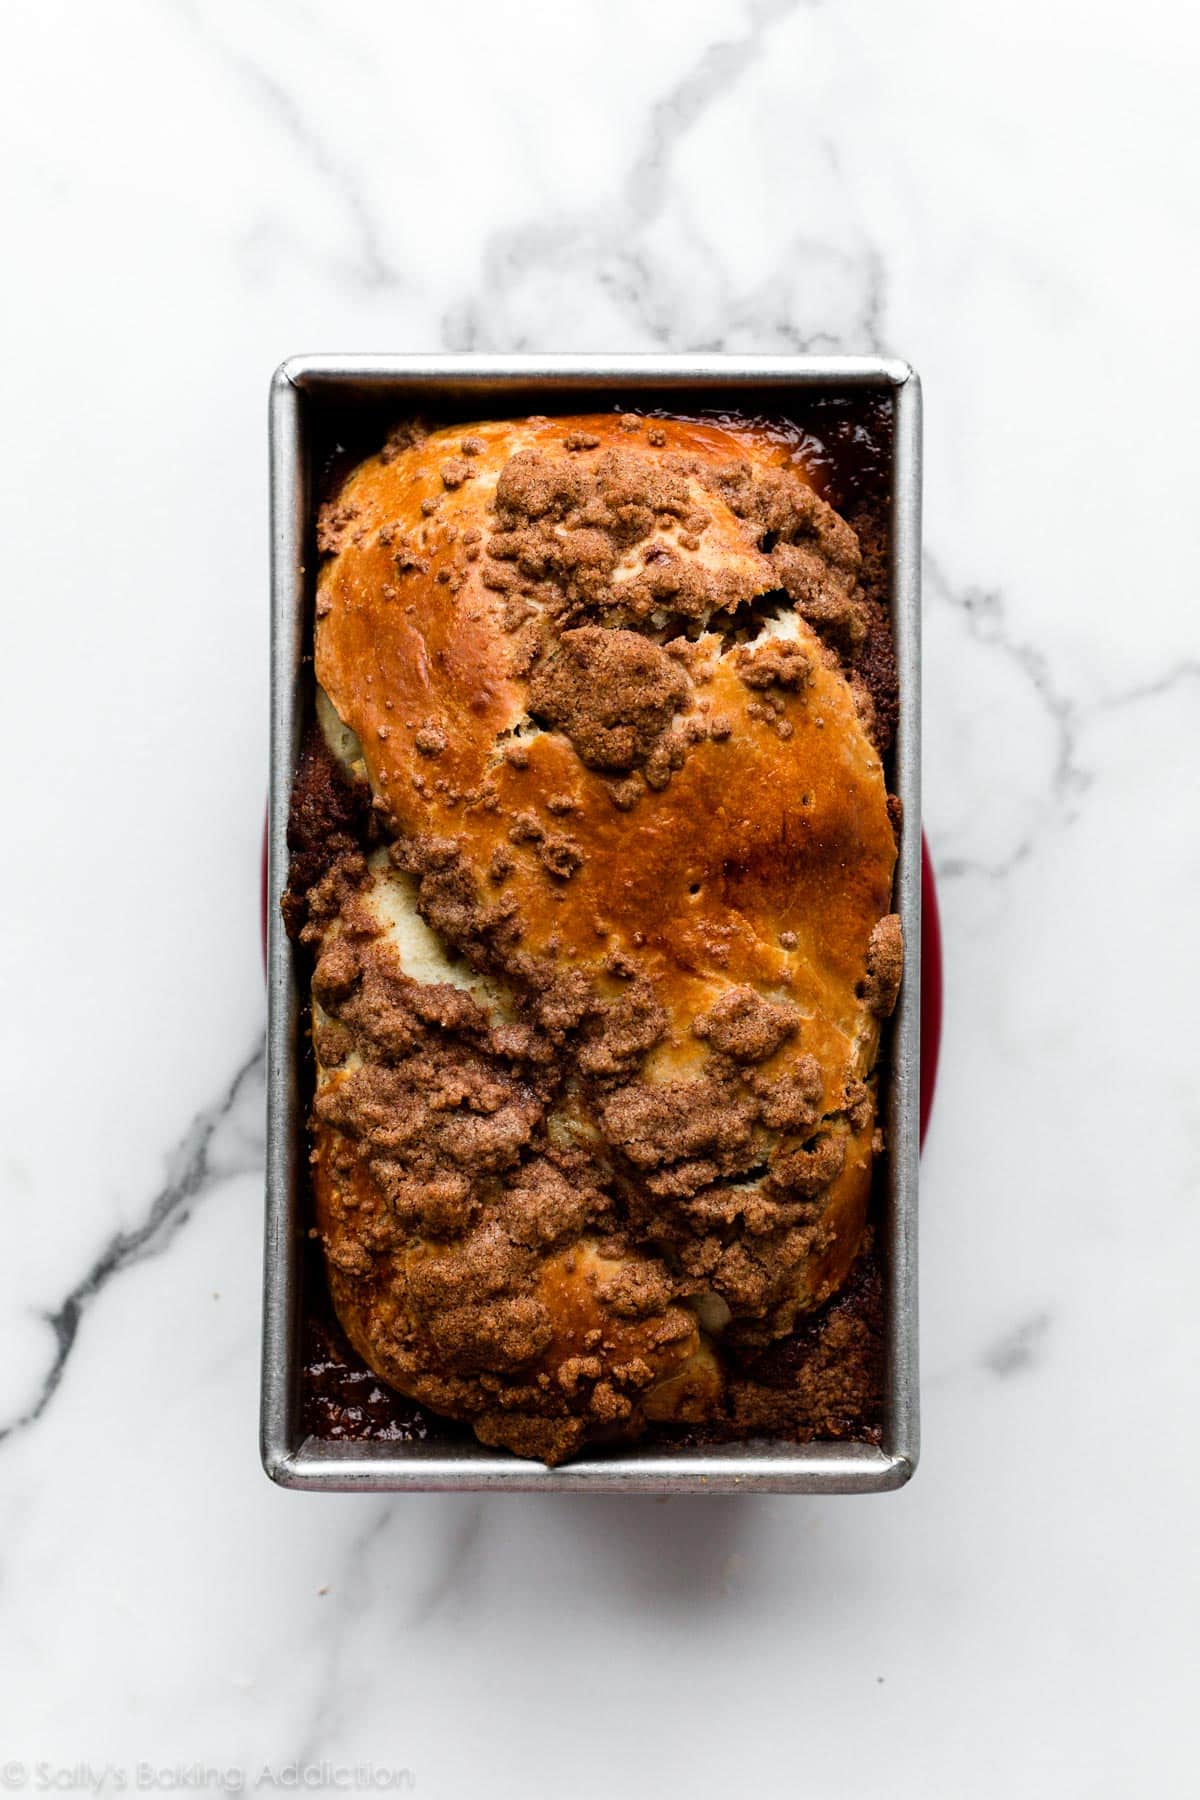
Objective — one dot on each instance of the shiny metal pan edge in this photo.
(436, 382)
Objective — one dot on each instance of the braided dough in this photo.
(599, 900)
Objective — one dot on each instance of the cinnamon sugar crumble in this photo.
(404, 436)
(885, 965)
(613, 692)
(431, 739)
(335, 526)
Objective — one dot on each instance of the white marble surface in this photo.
(1005, 195)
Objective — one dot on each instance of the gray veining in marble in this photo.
(1007, 198)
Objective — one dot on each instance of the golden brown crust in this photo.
(601, 676)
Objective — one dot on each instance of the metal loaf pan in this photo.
(318, 402)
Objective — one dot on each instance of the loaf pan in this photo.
(312, 399)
